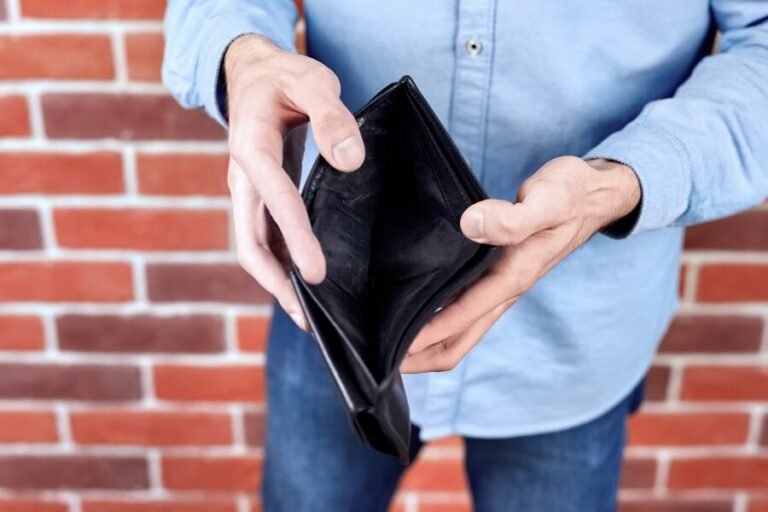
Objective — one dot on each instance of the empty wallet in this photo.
(395, 254)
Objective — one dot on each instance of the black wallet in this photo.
(394, 255)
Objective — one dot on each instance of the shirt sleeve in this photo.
(198, 32)
(703, 153)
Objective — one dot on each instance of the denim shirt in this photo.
(516, 84)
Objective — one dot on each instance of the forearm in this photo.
(703, 153)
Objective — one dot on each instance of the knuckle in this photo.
(506, 225)
(328, 78)
(328, 119)
(525, 189)
(447, 364)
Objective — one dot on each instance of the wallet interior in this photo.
(391, 238)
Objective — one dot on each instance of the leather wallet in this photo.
(394, 255)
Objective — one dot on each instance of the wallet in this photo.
(395, 255)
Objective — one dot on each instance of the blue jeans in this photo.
(314, 462)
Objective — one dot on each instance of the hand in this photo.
(559, 208)
(271, 95)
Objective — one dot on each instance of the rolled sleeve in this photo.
(198, 34)
(209, 78)
(663, 169)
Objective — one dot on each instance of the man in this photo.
(665, 136)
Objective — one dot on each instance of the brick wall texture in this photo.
(132, 345)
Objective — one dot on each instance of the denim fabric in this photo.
(315, 463)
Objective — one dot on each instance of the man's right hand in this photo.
(271, 95)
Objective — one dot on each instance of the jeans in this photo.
(314, 461)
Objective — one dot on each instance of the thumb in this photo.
(337, 135)
(498, 222)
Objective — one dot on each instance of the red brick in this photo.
(66, 282)
(20, 332)
(255, 428)
(141, 333)
(719, 473)
(69, 382)
(682, 283)
(153, 428)
(15, 119)
(746, 231)
(31, 505)
(148, 230)
(171, 282)
(124, 116)
(182, 174)
(657, 383)
(20, 230)
(688, 429)
(758, 505)
(72, 472)
(144, 52)
(442, 506)
(159, 506)
(61, 173)
(725, 383)
(252, 333)
(676, 505)
(93, 9)
(210, 383)
(78, 57)
(444, 475)
(212, 474)
(27, 427)
(713, 333)
(733, 283)
(448, 442)
(638, 473)
(764, 432)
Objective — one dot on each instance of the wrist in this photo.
(243, 53)
(615, 191)
(247, 49)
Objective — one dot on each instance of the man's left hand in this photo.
(559, 208)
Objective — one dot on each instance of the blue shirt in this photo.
(517, 83)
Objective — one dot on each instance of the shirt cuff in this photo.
(663, 169)
(221, 33)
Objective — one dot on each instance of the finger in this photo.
(478, 300)
(446, 355)
(254, 254)
(523, 265)
(282, 199)
(334, 128)
(498, 222)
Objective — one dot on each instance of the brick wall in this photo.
(131, 345)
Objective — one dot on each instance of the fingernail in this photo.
(349, 152)
(299, 320)
(475, 221)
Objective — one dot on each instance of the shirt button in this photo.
(474, 47)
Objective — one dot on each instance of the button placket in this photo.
(473, 60)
